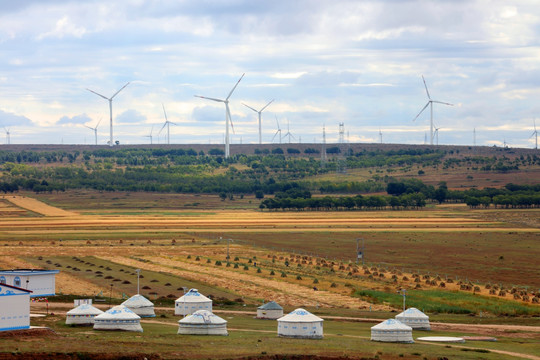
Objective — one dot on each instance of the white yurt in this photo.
(202, 322)
(391, 330)
(270, 310)
(191, 302)
(118, 318)
(83, 314)
(415, 319)
(140, 306)
(300, 324)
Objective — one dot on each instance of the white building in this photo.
(391, 330)
(415, 319)
(118, 318)
(202, 322)
(14, 308)
(83, 314)
(140, 306)
(270, 310)
(300, 324)
(40, 282)
(191, 302)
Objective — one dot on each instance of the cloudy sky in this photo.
(354, 62)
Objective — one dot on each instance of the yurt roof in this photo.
(202, 317)
(413, 313)
(300, 315)
(137, 301)
(391, 324)
(272, 305)
(85, 309)
(193, 295)
(119, 312)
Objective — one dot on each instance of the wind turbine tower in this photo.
(150, 135)
(474, 136)
(259, 112)
(111, 142)
(167, 123)
(227, 115)
(8, 136)
(289, 133)
(430, 104)
(323, 150)
(535, 134)
(437, 135)
(278, 131)
(94, 129)
(380, 134)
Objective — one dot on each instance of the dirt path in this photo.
(37, 206)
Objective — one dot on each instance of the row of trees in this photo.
(358, 202)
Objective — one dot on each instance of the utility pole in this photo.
(403, 293)
(138, 271)
(359, 253)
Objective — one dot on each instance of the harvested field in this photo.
(36, 206)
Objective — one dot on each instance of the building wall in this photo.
(186, 308)
(14, 311)
(39, 284)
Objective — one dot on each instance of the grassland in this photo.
(103, 239)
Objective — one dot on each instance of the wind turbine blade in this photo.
(424, 108)
(164, 112)
(440, 102)
(163, 127)
(208, 98)
(238, 82)
(99, 122)
(86, 126)
(427, 92)
(275, 135)
(230, 118)
(250, 107)
(534, 121)
(98, 94)
(267, 105)
(277, 123)
(116, 93)
(170, 122)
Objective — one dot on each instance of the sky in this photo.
(359, 63)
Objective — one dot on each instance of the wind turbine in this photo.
(259, 112)
(535, 134)
(111, 143)
(8, 136)
(94, 129)
(150, 136)
(430, 104)
(227, 114)
(436, 134)
(380, 134)
(289, 133)
(167, 123)
(278, 131)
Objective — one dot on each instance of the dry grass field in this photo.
(300, 259)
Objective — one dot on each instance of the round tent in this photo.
(118, 318)
(300, 324)
(415, 319)
(140, 306)
(392, 330)
(270, 310)
(83, 314)
(202, 322)
(191, 302)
